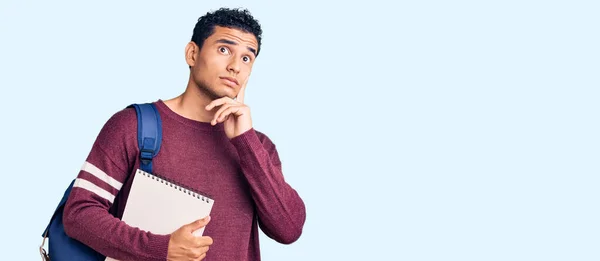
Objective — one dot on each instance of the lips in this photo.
(230, 81)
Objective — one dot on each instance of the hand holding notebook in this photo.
(163, 207)
(185, 245)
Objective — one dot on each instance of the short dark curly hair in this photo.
(235, 18)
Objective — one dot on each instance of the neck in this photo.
(191, 104)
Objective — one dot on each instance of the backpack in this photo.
(62, 247)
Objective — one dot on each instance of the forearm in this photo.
(280, 209)
(91, 223)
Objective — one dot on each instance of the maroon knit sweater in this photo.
(243, 176)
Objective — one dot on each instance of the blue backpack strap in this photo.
(65, 248)
(61, 205)
(149, 133)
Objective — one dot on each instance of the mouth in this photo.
(230, 81)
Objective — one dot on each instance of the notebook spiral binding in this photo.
(174, 185)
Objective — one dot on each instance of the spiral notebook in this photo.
(161, 207)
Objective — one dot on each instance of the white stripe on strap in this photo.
(89, 186)
(90, 168)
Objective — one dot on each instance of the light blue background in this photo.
(413, 130)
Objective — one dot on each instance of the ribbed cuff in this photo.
(247, 143)
(158, 246)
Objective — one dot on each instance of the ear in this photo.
(191, 50)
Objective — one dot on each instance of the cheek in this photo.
(208, 70)
(247, 70)
(243, 76)
(214, 61)
(210, 61)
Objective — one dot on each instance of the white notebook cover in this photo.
(161, 207)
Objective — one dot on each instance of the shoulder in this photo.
(268, 145)
(116, 143)
(121, 123)
(119, 131)
(264, 138)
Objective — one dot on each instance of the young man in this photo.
(208, 144)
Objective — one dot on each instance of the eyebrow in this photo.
(225, 41)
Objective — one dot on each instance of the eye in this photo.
(246, 59)
(223, 50)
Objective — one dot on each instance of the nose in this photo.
(234, 65)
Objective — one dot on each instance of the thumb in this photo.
(242, 93)
(198, 223)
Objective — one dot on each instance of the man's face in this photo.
(224, 62)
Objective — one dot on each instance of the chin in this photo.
(227, 92)
(214, 93)
(221, 94)
(230, 96)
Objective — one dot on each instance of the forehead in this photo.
(236, 35)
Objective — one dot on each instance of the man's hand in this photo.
(183, 245)
(234, 114)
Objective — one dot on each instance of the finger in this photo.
(198, 252)
(201, 257)
(219, 112)
(241, 93)
(217, 102)
(202, 250)
(203, 241)
(200, 223)
(235, 110)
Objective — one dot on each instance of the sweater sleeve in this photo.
(86, 214)
(281, 211)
